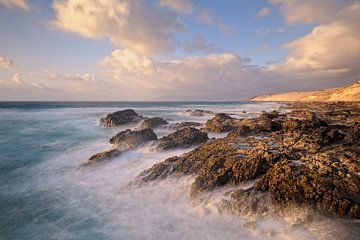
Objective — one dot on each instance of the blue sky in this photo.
(37, 40)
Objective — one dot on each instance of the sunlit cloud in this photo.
(333, 47)
(263, 12)
(136, 25)
(22, 4)
(6, 62)
(181, 6)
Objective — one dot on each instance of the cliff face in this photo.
(347, 93)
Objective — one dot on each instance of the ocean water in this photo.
(45, 195)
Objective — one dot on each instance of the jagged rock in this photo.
(101, 157)
(298, 159)
(180, 125)
(353, 135)
(152, 123)
(249, 202)
(185, 137)
(120, 118)
(220, 123)
(198, 112)
(328, 180)
(215, 163)
(269, 115)
(128, 139)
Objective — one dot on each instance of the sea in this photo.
(44, 194)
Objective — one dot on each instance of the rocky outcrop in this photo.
(302, 158)
(180, 125)
(120, 118)
(198, 112)
(128, 139)
(152, 123)
(220, 123)
(101, 157)
(185, 137)
(123, 141)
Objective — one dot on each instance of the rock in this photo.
(220, 123)
(249, 202)
(353, 135)
(241, 131)
(130, 139)
(152, 123)
(181, 125)
(198, 112)
(271, 115)
(185, 137)
(101, 157)
(120, 118)
(315, 182)
(305, 159)
(215, 163)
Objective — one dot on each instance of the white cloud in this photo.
(16, 78)
(22, 4)
(330, 48)
(136, 25)
(214, 76)
(263, 12)
(6, 62)
(310, 11)
(180, 6)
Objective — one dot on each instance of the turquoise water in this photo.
(44, 194)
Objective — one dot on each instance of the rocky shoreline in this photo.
(307, 155)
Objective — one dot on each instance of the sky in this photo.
(154, 50)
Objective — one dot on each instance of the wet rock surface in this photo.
(129, 139)
(198, 112)
(220, 123)
(180, 125)
(152, 123)
(185, 137)
(120, 118)
(309, 156)
(102, 157)
(123, 141)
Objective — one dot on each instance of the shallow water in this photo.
(44, 195)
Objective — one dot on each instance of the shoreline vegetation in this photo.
(305, 156)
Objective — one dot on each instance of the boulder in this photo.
(152, 123)
(120, 118)
(101, 157)
(128, 139)
(198, 112)
(220, 123)
(184, 138)
(180, 125)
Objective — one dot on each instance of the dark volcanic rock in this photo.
(123, 141)
(101, 157)
(215, 163)
(130, 139)
(152, 123)
(180, 125)
(220, 123)
(198, 112)
(120, 118)
(305, 158)
(185, 137)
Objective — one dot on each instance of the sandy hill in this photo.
(347, 93)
